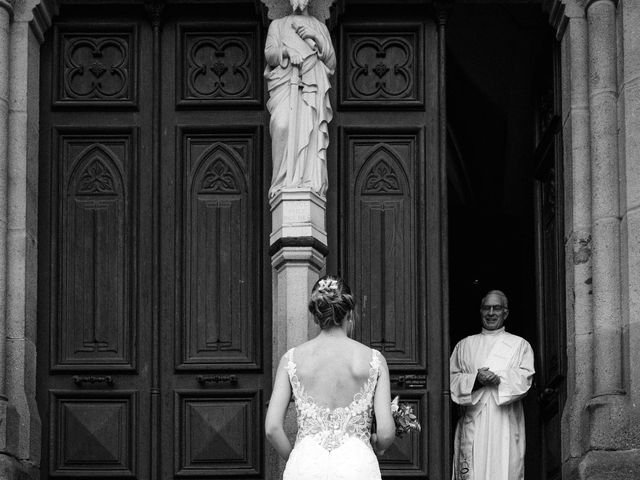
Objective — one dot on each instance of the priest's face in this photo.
(493, 312)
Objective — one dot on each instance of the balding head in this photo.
(498, 293)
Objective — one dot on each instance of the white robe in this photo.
(490, 440)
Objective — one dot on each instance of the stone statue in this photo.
(300, 60)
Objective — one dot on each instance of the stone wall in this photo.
(22, 23)
(600, 46)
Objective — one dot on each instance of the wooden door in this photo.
(551, 354)
(384, 212)
(154, 314)
(215, 319)
(95, 232)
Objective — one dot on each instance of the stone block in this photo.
(19, 72)
(296, 269)
(12, 469)
(602, 45)
(3, 423)
(630, 176)
(620, 141)
(17, 170)
(604, 156)
(607, 420)
(17, 242)
(4, 54)
(609, 465)
(631, 37)
(580, 168)
(23, 420)
(297, 213)
(577, 34)
(631, 307)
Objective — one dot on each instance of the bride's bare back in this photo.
(335, 382)
(332, 370)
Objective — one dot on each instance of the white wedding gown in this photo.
(333, 444)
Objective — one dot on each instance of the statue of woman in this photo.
(300, 60)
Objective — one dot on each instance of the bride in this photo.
(336, 383)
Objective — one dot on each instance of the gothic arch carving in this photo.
(382, 174)
(95, 174)
(218, 172)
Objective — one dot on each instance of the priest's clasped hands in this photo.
(486, 377)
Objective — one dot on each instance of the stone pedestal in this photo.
(298, 250)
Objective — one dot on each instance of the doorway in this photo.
(504, 173)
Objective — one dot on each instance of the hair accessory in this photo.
(327, 285)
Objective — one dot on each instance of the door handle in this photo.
(203, 380)
(79, 380)
(409, 381)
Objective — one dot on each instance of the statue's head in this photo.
(299, 4)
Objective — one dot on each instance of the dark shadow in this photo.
(493, 84)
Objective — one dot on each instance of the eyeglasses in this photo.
(495, 308)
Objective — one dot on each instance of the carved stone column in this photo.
(6, 12)
(577, 161)
(629, 102)
(18, 213)
(606, 405)
(298, 249)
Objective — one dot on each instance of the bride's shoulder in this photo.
(364, 349)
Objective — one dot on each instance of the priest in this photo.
(490, 374)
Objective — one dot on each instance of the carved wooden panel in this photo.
(383, 246)
(220, 233)
(218, 433)
(221, 65)
(93, 434)
(381, 66)
(93, 326)
(407, 455)
(96, 65)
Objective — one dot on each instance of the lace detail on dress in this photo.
(331, 427)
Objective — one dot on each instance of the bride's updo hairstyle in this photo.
(331, 300)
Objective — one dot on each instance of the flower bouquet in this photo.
(404, 418)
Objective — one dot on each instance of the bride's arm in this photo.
(274, 423)
(385, 426)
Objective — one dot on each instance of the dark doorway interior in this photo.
(499, 87)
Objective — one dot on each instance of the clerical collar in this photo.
(492, 332)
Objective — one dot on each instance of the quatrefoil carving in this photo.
(218, 67)
(96, 68)
(381, 68)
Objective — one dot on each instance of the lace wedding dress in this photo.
(333, 444)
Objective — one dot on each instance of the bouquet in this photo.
(404, 418)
